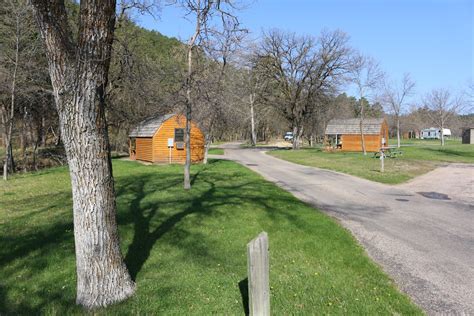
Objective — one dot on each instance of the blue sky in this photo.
(431, 39)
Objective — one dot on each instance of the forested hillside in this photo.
(240, 90)
(145, 71)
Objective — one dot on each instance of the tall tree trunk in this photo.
(24, 139)
(398, 131)
(4, 140)
(361, 125)
(442, 135)
(187, 139)
(295, 138)
(187, 134)
(79, 77)
(43, 127)
(252, 120)
(8, 140)
(35, 151)
(189, 101)
(297, 134)
(207, 145)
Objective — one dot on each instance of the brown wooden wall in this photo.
(372, 142)
(160, 142)
(354, 142)
(144, 150)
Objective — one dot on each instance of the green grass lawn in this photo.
(216, 151)
(426, 142)
(187, 249)
(415, 161)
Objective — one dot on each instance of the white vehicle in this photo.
(288, 136)
(434, 133)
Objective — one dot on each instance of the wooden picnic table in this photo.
(390, 152)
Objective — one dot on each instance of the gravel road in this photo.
(421, 233)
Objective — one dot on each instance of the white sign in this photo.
(170, 142)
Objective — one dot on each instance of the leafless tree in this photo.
(442, 107)
(204, 14)
(395, 97)
(303, 68)
(367, 77)
(15, 30)
(79, 73)
(251, 86)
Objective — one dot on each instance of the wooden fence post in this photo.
(382, 158)
(258, 275)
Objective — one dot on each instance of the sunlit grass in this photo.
(216, 151)
(415, 161)
(187, 249)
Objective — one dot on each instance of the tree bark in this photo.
(295, 138)
(187, 134)
(398, 131)
(442, 135)
(252, 120)
(207, 145)
(189, 101)
(79, 77)
(362, 139)
(8, 134)
(297, 133)
(187, 138)
(43, 127)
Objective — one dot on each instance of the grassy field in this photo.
(187, 250)
(425, 142)
(216, 151)
(417, 159)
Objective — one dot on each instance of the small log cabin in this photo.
(160, 139)
(345, 135)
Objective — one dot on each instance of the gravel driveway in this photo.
(421, 234)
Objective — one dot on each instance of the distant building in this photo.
(160, 139)
(434, 133)
(412, 134)
(345, 134)
(468, 135)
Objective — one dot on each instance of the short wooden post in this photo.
(258, 275)
(382, 158)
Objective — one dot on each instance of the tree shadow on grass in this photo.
(203, 201)
(154, 203)
(145, 238)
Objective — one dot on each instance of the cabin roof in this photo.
(148, 127)
(371, 126)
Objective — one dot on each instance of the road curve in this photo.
(426, 245)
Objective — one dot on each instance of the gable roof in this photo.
(370, 126)
(148, 127)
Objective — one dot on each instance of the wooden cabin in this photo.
(160, 139)
(345, 135)
(411, 134)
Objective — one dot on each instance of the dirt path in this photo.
(425, 243)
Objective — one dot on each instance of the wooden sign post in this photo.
(382, 158)
(258, 275)
(170, 147)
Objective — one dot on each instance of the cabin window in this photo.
(179, 135)
(334, 141)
